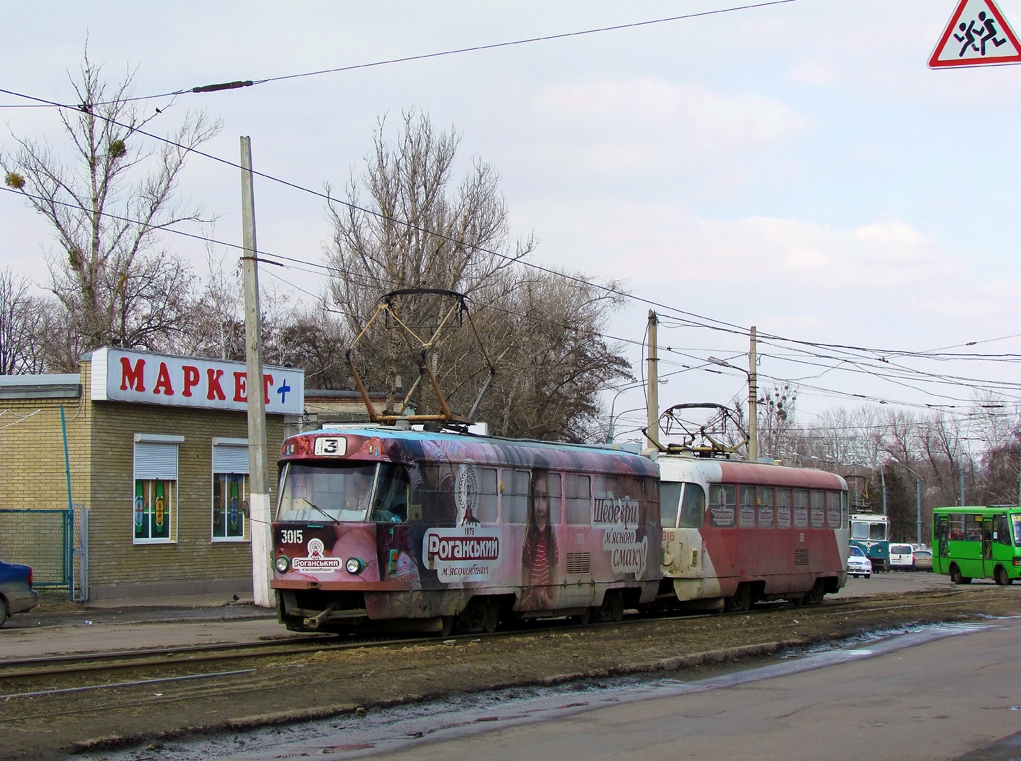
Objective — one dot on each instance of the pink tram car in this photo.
(384, 527)
(735, 533)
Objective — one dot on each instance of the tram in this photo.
(735, 533)
(871, 533)
(389, 527)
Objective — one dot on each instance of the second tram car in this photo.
(379, 526)
(870, 532)
(735, 533)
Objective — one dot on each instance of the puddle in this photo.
(380, 732)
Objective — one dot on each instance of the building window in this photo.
(155, 474)
(230, 489)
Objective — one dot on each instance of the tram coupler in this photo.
(313, 622)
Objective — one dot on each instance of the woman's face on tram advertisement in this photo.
(540, 506)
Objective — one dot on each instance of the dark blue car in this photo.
(16, 593)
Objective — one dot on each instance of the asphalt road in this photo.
(904, 698)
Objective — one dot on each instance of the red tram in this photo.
(735, 533)
(378, 526)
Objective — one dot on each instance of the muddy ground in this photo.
(328, 683)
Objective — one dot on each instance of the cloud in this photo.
(688, 118)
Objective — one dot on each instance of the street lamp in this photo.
(621, 390)
(918, 498)
(753, 410)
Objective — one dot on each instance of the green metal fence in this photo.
(43, 539)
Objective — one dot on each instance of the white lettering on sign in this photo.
(134, 376)
(468, 553)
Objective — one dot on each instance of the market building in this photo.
(131, 478)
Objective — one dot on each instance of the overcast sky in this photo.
(796, 167)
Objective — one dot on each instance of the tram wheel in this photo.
(612, 608)
(582, 618)
(1001, 576)
(816, 594)
(741, 601)
(481, 615)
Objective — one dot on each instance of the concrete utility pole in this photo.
(652, 432)
(753, 407)
(258, 499)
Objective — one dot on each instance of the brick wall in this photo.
(101, 449)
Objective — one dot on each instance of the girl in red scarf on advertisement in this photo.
(539, 553)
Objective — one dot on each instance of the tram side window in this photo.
(488, 508)
(393, 495)
(669, 503)
(555, 497)
(514, 499)
(722, 505)
(801, 508)
(818, 508)
(579, 499)
(766, 506)
(435, 495)
(746, 508)
(692, 506)
(784, 500)
(833, 518)
(606, 488)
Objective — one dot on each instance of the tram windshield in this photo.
(344, 492)
(864, 530)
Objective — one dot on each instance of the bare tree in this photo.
(415, 231)
(22, 318)
(418, 227)
(552, 358)
(777, 431)
(215, 324)
(112, 279)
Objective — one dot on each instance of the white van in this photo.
(902, 557)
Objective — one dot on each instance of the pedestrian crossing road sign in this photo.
(977, 35)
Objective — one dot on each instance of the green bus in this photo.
(977, 543)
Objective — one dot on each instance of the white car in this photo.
(858, 564)
(902, 557)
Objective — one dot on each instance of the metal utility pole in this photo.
(918, 509)
(753, 408)
(258, 499)
(652, 432)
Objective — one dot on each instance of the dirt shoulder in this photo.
(328, 683)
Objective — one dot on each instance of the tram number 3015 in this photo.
(290, 536)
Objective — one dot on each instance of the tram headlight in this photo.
(355, 566)
(283, 564)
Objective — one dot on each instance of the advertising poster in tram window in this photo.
(620, 512)
(540, 554)
(470, 551)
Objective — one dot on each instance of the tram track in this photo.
(118, 669)
(158, 695)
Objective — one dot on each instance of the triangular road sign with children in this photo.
(977, 35)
